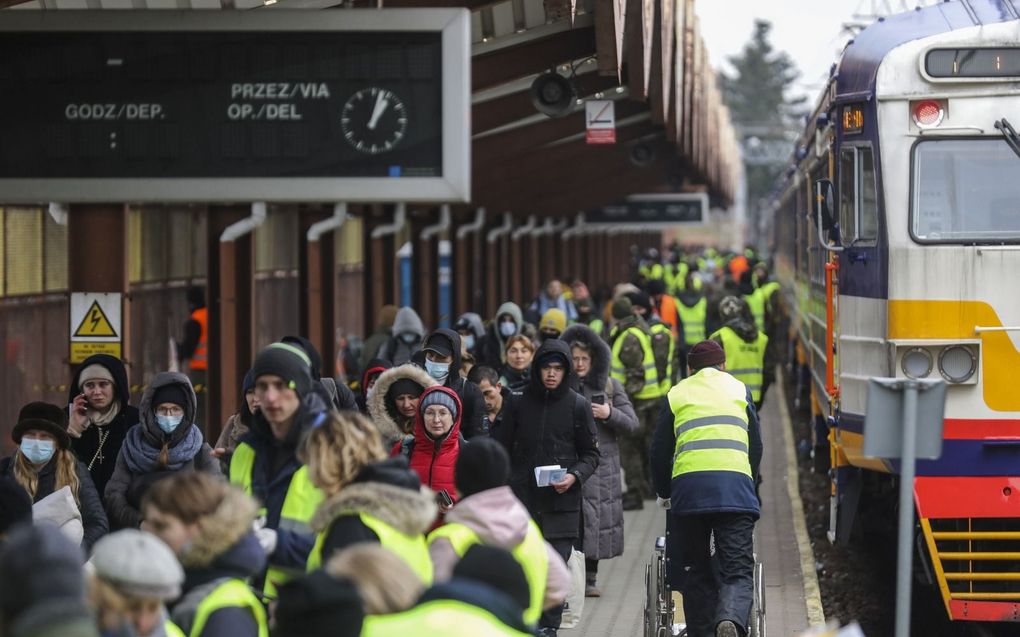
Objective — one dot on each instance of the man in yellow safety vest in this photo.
(748, 357)
(704, 458)
(266, 465)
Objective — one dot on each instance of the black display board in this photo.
(244, 105)
(653, 209)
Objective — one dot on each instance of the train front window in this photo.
(965, 191)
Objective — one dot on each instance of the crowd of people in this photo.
(445, 482)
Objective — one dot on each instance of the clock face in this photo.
(374, 120)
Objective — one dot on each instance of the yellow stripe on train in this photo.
(999, 359)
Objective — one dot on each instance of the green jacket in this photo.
(631, 354)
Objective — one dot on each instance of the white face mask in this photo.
(509, 328)
(439, 371)
(469, 341)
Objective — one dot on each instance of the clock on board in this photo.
(374, 120)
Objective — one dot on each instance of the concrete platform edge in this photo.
(812, 593)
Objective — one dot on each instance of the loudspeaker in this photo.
(642, 154)
(552, 94)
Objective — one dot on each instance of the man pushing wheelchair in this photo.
(704, 459)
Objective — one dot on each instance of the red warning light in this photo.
(928, 114)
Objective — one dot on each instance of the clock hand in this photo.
(380, 107)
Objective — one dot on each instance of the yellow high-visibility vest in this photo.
(231, 593)
(693, 321)
(744, 361)
(710, 423)
(412, 549)
(299, 505)
(651, 388)
(530, 554)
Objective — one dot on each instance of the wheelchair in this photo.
(660, 608)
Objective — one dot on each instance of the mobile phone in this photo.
(598, 399)
(443, 497)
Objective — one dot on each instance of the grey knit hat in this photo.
(138, 564)
(436, 396)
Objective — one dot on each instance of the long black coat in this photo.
(547, 427)
(101, 465)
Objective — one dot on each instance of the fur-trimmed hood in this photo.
(598, 376)
(221, 530)
(410, 510)
(384, 412)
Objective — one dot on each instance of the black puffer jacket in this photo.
(87, 448)
(548, 427)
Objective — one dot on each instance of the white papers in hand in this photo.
(546, 475)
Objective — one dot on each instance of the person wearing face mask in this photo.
(553, 322)
(393, 401)
(167, 441)
(44, 464)
(408, 330)
(443, 362)
(508, 322)
(99, 415)
(472, 334)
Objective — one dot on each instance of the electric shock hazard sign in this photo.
(95, 325)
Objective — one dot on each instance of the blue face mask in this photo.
(507, 329)
(439, 371)
(409, 338)
(168, 423)
(469, 341)
(37, 451)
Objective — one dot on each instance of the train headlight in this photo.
(916, 363)
(957, 364)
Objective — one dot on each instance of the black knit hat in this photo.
(15, 504)
(319, 605)
(483, 464)
(642, 300)
(38, 565)
(172, 393)
(45, 417)
(497, 568)
(287, 361)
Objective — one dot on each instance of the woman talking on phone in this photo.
(601, 496)
(99, 415)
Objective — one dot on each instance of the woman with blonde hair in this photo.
(366, 496)
(166, 440)
(515, 374)
(208, 524)
(44, 464)
(385, 582)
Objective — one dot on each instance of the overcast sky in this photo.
(811, 31)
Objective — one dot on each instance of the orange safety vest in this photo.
(200, 358)
(668, 314)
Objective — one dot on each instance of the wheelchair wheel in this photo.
(756, 623)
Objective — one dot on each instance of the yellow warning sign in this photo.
(81, 351)
(95, 323)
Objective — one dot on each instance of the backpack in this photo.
(662, 350)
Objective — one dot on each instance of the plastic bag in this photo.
(574, 605)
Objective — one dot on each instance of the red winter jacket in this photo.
(434, 460)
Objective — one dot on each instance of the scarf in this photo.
(100, 419)
(141, 457)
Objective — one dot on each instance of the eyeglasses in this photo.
(169, 411)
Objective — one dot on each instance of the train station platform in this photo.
(792, 599)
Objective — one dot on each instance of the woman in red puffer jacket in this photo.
(433, 452)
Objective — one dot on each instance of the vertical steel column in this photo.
(105, 270)
(230, 274)
(424, 269)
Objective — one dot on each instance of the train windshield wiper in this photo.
(1009, 135)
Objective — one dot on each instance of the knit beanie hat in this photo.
(553, 319)
(45, 417)
(705, 354)
(544, 358)
(440, 397)
(138, 564)
(481, 465)
(38, 564)
(15, 504)
(496, 568)
(172, 393)
(404, 386)
(95, 371)
(622, 308)
(319, 605)
(640, 299)
(289, 362)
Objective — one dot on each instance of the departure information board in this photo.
(338, 105)
(653, 210)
